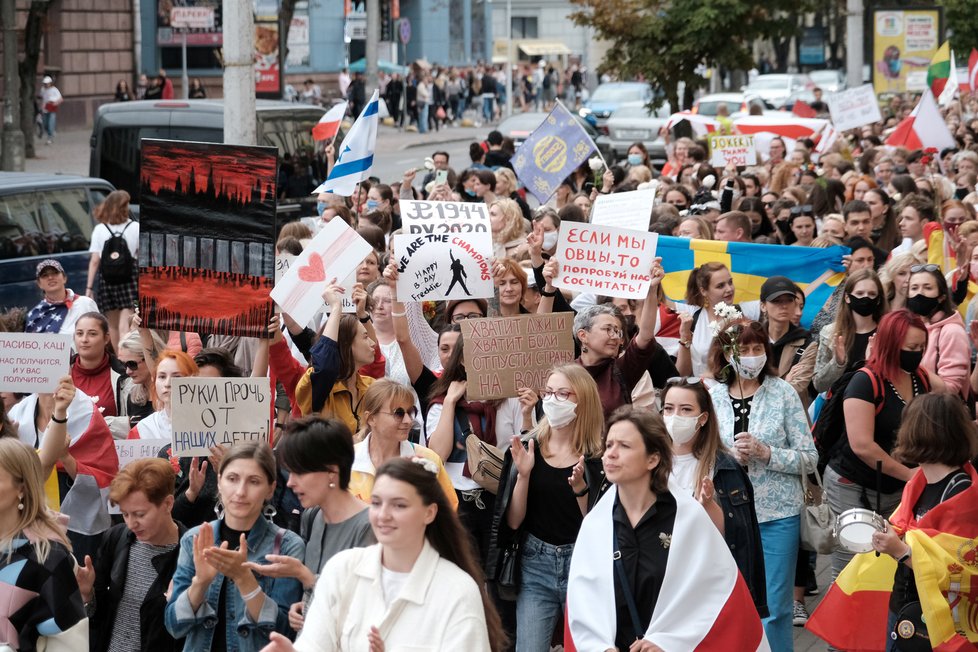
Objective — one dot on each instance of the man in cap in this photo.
(50, 99)
(61, 307)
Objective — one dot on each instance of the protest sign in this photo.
(605, 260)
(334, 253)
(445, 217)
(130, 450)
(33, 362)
(732, 150)
(283, 261)
(854, 107)
(211, 411)
(207, 237)
(625, 210)
(504, 354)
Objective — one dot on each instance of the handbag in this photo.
(509, 569)
(485, 463)
(817, 520)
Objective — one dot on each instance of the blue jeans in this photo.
(423, 118)
(779, 539)
(487, 108)
(50, 120)
(543, 593)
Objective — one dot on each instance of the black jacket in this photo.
(110, 583)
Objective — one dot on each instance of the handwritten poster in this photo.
(732, 150)
(434, 267)
(130, 450)
(854, 107)
(445, 217)
(625, 210)
(605, 260)
(211, 411)
(504, 354)
(33, 362)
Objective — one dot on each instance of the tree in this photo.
(666, 42)
(959, 15)
(27, 70)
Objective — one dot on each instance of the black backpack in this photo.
(116, 261)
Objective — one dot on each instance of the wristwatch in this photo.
(685, 343)
(905, 555)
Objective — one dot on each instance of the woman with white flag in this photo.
(650, 572)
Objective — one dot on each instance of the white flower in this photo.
(726, 312)
(595, 163)
(715, 328)
(428, 465)
(896, 196)
(429, 163)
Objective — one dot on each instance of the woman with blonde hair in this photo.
(547, 484)
(895, 276)
(508, 229)
(506, 186)
(783, 176)
(118, 287)
(40, 603)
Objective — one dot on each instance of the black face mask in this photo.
(961, 193)
(910, 360)
(923, 305)
(864, 306)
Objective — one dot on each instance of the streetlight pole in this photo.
(509, 57)
(13, 137)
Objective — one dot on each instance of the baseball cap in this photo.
(48, 262)
(777, 286)
(47, 80)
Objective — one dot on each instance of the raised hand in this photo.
(85, 576)
(197, 475)
(204, 571)
(333, 295)
(576, 478)
(523, 458)
(64, 395)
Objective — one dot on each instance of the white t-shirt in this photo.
(684, 471)
(50, 95)
(392, 582)
(102, 232)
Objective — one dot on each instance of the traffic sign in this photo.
(404, 30)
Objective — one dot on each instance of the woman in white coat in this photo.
(392, 595)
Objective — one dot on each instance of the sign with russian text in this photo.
(130, 450)
(732, 150)
(218, 411)
(854, 107)
(605, 260)
(186, 18)
(33, 362)
(625, 210)
(506, 354)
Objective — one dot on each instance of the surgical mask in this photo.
(681, 429)
(750, 366)
(320, 208)
(559, 413)
(910, 360)
(922, 305)
(372, 204)
(634, 159)
(470, 192)
(864, 306)
(550, 239)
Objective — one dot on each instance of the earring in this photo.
(332, 485)
(219, 509)
(20, 505)
(269, 511)
(583, 348)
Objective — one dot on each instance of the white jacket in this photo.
(439, 607)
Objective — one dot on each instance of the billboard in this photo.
(904, 42)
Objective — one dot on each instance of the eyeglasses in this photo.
(132, 365)
(683, 380)
(559, 394)
(399, 413)
(460, 316)
(929, 267)
(802, 210)
(611, 331)
(768, 204)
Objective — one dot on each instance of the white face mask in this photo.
(681, 429)
(559, 413)
(750, 366)
(550, 239)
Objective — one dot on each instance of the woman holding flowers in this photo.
(763, 422)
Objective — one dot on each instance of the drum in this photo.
(854, 529)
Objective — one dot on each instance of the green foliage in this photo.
(959, 16)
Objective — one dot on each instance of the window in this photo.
(45, 222)
(524, 27)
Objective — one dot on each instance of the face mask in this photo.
(372, 204)
(559, 413)
(470, 192)
(910, 360)
(681, 429)
(922, 305)
(864, 306)
(634, 159)
(750, 366)
(961, 193)
(550, 239)
(320, 208)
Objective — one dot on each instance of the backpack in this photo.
(117, 261)
(547, 82)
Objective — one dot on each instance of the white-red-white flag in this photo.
(923, 128)
(329, 124)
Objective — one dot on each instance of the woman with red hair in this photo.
(170, 364)
(873, 405)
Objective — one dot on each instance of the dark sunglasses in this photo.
(768, 204)
(132, 365)
(400, 412)
(929, 267)
(805, 209)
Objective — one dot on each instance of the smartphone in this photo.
(588, 187)
(441, 177)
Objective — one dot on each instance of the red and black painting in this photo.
(207, 237)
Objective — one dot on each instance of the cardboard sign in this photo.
(130, 450)
(504, 354)
(445, 217)
(854, 107)
(33, 362)
(443, 266)
(334, 253)
(283, 261)
(211, 411)
(605, 260)
(625, 210)
(732, 150)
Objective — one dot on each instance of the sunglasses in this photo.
(683, 380)
(399, 413)
(132, 365)
(805, 209)
(929, 267)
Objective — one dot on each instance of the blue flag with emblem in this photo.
(818, 272)
(551, 153)
(356, 154)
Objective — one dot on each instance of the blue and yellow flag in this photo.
(551, 153)
(816, 271)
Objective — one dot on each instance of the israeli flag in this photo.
(356, 154)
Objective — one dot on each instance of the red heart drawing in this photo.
(313, 272)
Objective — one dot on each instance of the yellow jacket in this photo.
(339, 403)
(362, 477)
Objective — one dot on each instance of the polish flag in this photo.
(329, 124)
(973, 71)
(803, 110)
(923, 128)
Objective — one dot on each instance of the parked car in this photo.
(776, 88)
(609, 96)
(633, 123)
(736, 103)
(830, 81)
(44, 216)
(519, 126)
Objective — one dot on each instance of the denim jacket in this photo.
(243, 633)
(778, 419)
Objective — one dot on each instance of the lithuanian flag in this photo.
(939, 69)
(944, 545)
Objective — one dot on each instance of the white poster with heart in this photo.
(334, 253)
